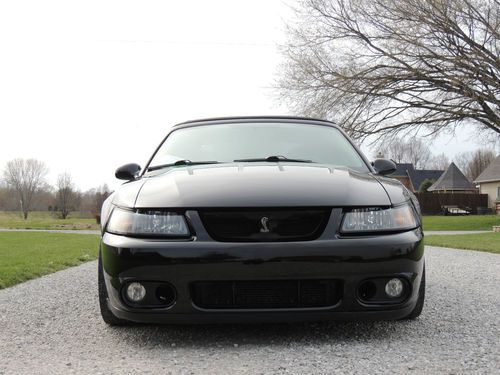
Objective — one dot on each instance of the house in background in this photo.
(452, 181)
(489, 183)
(412, 178)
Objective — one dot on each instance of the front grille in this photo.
(265, 294)
(265, 225)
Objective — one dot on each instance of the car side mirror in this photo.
(128, 172)
(384, 166)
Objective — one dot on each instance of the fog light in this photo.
(394, 288)
(136, 292)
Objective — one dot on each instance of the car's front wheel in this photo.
(107, 315)
(417, 310)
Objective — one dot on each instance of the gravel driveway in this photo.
(52, 325)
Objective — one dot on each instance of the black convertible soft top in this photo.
(236, 119)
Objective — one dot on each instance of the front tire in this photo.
(108, 317)
(421, 298)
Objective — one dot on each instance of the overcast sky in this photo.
(87, 86)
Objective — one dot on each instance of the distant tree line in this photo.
(23, 187)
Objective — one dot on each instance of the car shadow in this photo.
(277, 335)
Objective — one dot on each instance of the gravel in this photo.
(52, 325)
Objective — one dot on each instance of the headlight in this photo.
(378, 219)
(147, 223)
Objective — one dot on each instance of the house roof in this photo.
(491, 173)
(416, 176)
(452, 179)
(402, 170)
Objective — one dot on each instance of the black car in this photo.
(260, 219)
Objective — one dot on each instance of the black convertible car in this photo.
(257, 219)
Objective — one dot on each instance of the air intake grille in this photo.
(265, 294)
(265, 225)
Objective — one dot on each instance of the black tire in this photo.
(108, 317)
(421, 298)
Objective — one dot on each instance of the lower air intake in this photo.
(265, 294)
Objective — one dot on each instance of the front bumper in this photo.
(180, 263)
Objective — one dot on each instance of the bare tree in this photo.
(101, 193)
(4, 196)
(65, 194)
(418, 152)
(439, 162)
(473, 163)
(392, 149)
(462, 160)
(388, 66)
(413, 150)
(91, 200)
(26, 177)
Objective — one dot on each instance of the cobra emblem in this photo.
(263, 222)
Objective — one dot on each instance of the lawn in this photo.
(489, 242)
(27, 255)
(471, 222)
(44, 220)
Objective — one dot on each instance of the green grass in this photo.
(27, 255)
(489, 242)
(471, 222)
(44, 220)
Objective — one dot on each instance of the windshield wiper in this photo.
(274, 158)
(181, 163)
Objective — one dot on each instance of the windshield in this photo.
(229, 142)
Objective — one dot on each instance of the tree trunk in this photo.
(25, 214)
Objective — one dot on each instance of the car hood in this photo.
(254, 185)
